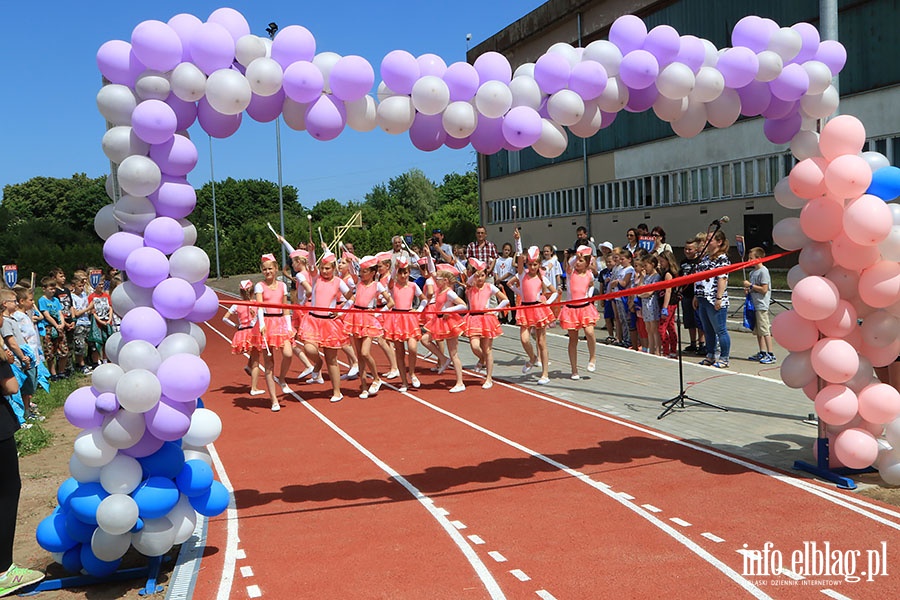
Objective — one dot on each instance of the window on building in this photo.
(513, 161)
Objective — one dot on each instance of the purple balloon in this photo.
(810, 44)
(212, 48)
(778, 108)
(351, 78)
(200, 287)
(184, 377)
(154, 121)
(174, 298)
(118, 246)
(399, 71)
(791, 84)
(205, 307)
(143, 323)
(782, 131)
(551, 72)
(325, 118)
(185, 112)
(174, 198)
(692, 52)
(588, 79)
(107, 403)
(755, 98)
(303, 82)
(231, 20)
(628, 32)
(427, 132)
(639, 69)
(641, 100)
(169, 420)
(492, 66)
(177, 156)
(462, 79)
(146, 267)
(738, 66)
(165, 234)
(147, 445)
(81, 409)
(833, 54)
(522, 126)
(293, 43)
(156, 45)
(215, 123)
(266, 108)
(488, 136)
(431, 64)
(664, 43)
(118, 63)
(607, 119)
(456, 143)
(185, 25)
(751, 32)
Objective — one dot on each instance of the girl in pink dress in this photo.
(580, 313)
(401, 324)
(533, 288)
(383, 275)
(322, 330)
(482, 325)
(445, 323)
(274, 327)
(300, 263)
(347, 272)
(363, 327)
(242, 342)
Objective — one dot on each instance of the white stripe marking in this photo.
(476, 540)
(625, 495)
(247, 571)
(458, 524)
(545, 595)
(253, 591)
(443, 512)
(497, 556)
(231, 528)
(681, 522)
(834, 594)
(712, 537)
(651, 508)
(520, 575)
(240, 554)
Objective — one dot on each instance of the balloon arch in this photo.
(140, 471)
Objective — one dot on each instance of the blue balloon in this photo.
(66, 488)
(51, 533)
(95, 566)
(155, 497)
(195, 478)
(71, 560)
(213, 502)
(78, 530)
(885, 183)
(165, 462)
(85, 500)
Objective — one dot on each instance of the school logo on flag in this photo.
(10, 275)
(647, 242)
(95, 276)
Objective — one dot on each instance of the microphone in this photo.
(721, 220)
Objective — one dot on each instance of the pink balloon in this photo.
(879, 403)
(840, 323)
(848, 176)
(797, 370)
(868, 219)
(879, 285)
(851, 255)
(815, 298)
(821, 220)
(836, 404)
(293, 43)
(462, 79)
(856, 448)
(843, 134)
(811, 389)
(807, 178)
(793, 332)
(880, 356)
(846, 280)
(834, 360)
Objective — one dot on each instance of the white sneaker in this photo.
(528, 367)
(391, 375)
(402, 389)
(364, 394)
(376, 385)
(315, 378)
(276, 407)
(286, 388)
(415, 382)
(257, 392)
(591, 367)
(487, 385)
(337, 398)
(353, 373)
(543, 381)
(307, 371)
(457, 388)
(575, 377)
(443, 366)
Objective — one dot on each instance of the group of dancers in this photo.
(352, 304)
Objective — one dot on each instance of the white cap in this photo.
(607, 245)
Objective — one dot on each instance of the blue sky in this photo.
(51, 126)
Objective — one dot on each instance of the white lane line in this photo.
(520, 575)
(475, 561)
(712, 537)
(834, 594)
(458, 524)
(651, 508)
(247, 571)
(497, 556)
(681, 522)
(545, 595)
(443, 512)
(625, 495)
(253, 591)
(476, 540)
(240, 554)
(231, 528)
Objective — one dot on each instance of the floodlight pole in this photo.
(272, 29)
(212, 181)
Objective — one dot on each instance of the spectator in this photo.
(397, 250)
(632, 244)
(482, 249)
(81, 314)
(550, 264)
(711, 299)
(604, 275)
(690, 317)
(441, 252)
(582, 239)
(659, 240)
(643, 230)
(759, 287)
(64, 295)
(56, 351)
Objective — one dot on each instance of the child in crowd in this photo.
(64, 295)
(580, 313)
(446, 324)
(101, 323)
(81, 313)
(534, 288)
(605, 266)
(401, 323)
(668, 270)
(692, 249)
(55, 348)
(623, 279)
(640, 341)
(504, 271)
(26, 318)
(22, 363)
(364, 327)
(759, 287)
(274, 331)
(242, 342)
(650, 309)
(482, 325)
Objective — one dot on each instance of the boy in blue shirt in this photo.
(56, 350)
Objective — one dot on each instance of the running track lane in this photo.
(566, 536)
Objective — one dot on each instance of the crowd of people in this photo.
(432, 294)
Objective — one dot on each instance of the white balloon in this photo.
(708, 85)
(567, 51)
(889, 468)
(294, 114)
(192, 453)
(820, 76)
(105, 221)
(395, 114)
(152, 85)
(139, 176)
(668, 110)
(156, 538)
(459, 119)
(248, 48)
(111, 187)
(805, 145)
(770, 66)
(192, 329)
(384, 92)
(81, 472)
(614, 97)
(123, 429)
(875, 160)
(133, 213)
(91, 449)
(189, 263)
(590, 123)
(526, 92)
(362, 114)
(190, 232)
(325, 61)
(120, 142)
(692, 121)
(139, 354)
(880, 328)
(188, 82)
(109, 547)
(493, 99)
(116, 103)
(821, 105)
(712, 53)
(892, 433)
(787, 198)
(675, 81)
(121, 475)
(565, 107)
(117, 513)
(724, 110)
(177, 343)
(138, 390)
(206, 426)
(106, 376)
(184, 519)
(524, 70)
(430, 95)
(228, 92)
(553, 141)
(865, 375)
(264, 76)
(607, 54)
(890, 246)
(786, 42)
(788, 234)
(128, 296)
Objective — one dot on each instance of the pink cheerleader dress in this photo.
(243, 338)
(401, 323)
(430, 309)
(445, 325)
(320, 326)
(532, 312)
(298, 316)
(480, 323)
(365, 324)
(580, 311)
(278, 329)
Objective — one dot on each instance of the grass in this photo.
(779, 279)
(38, 437)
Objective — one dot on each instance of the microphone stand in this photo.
(678, 400)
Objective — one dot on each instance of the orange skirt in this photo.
(362, 324)
(578, 318)
(242, 341)
(277, 333)
(484, 325)
(534, 315)
(400, 326)
(327, 333)
(448, 325)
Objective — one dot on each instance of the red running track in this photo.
(508, 493)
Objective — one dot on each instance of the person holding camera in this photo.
(441, 253)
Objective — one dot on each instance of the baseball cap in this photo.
(606, 245)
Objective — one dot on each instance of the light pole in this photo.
(272, 29)
(212, 181)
